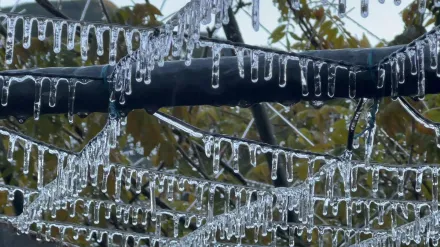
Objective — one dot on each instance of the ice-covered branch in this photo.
(175, 84)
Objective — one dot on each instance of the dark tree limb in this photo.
(52, 9)
(104, 10)
(175, 84)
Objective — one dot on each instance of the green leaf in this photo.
(294, 36)
(278, 33)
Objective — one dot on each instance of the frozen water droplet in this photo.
(421, 68)
(216, 50)
(10, 38)
(401, 67)
(283, 70)
(71, 99)
(352, 82)
(27, 155)
(331, 80)
(364, 8)
(304, 63)
(342, 5)
(433, 52)
(37, 100)
(381, 75)
(268, 65)
(394, 79)
(317, 77)
(11, 147)
(256, 15)
(240, 60)
(254, 65)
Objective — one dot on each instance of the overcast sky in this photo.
(384, 20)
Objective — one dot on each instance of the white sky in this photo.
(384, 20)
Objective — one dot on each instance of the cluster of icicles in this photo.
(263, 209)
(415, 54)
(156, 45)
(7, 81)
(342, 5)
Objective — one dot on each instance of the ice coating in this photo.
(303, 64)
(317, 77)
(352, 82)
(420, 68)
(300, 198)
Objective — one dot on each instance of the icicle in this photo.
(57, 32)
(84, 39)
(352, 82)
(331, 80)
(216, 156)
(27, 31)
(53, 91)
(99, 31)
(421, 68)
(235, 147)
(27, 155)
(42, 26)
(256, 15)
(401, 67)
(200, 189)
(304, 63)
(342, 5)
(170, 189)
(216, 54)
(71, 28)
(253, 154)
(211, 203)
(254, 65)
(419, 180)
(114, 33)
(375, 185)
(381, 75)
(432, 44)
(356, 143)
(317, 77)
(422, 6)
(364, 8)
(71, 99)
(240, 60)
(218, 14)
(401, 181)
(354, 179)
(268, 66)
(411, 53)
(153, 197)
(40, 170)
(434, 206)
(289, 168)
(37, 100)
(282, 70)
(274, 165)
(208, 141)
(369, 140)
(10, 38)
(11, 147)
(394, 75)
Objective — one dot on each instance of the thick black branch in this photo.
(175, 84)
